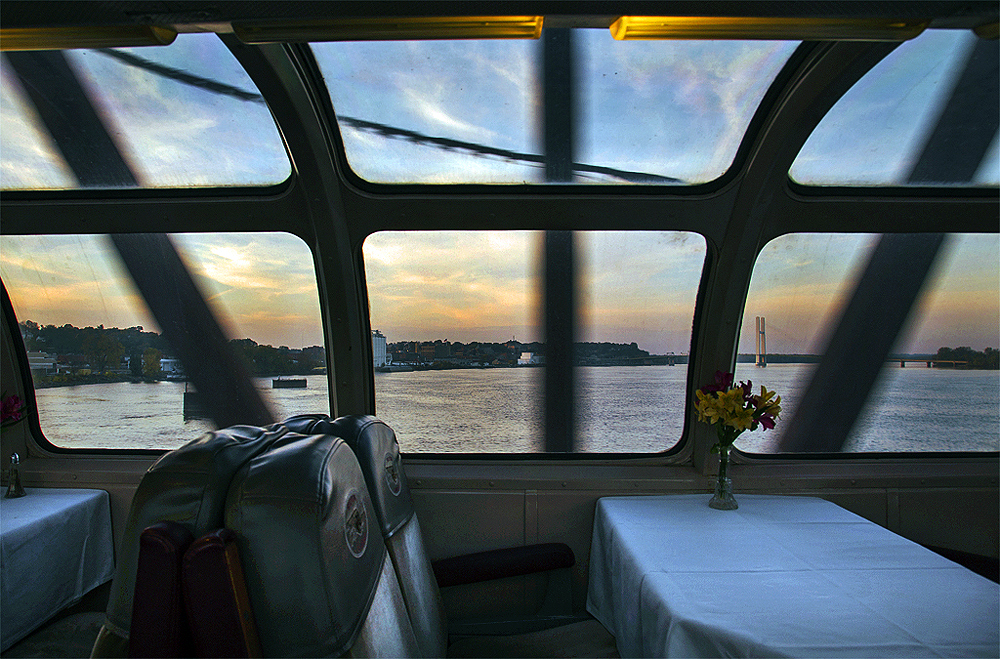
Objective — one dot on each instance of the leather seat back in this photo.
(377, 450)
(317, 573)
(189, 486)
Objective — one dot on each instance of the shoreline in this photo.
(131, 379)
(438, 366)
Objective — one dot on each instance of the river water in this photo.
(620, 409)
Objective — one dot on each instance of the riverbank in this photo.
(48, 382)
(71, 380)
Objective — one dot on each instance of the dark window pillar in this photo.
(559, 297)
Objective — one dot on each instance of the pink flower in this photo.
(11, 410)
(767, 421)
(723, 381)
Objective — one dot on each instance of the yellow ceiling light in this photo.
(797, 29)
(395, 29)
(62, 38)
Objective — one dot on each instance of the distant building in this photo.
(405, 358)
(427, 352)
(171, 365)
(41, 363)
(530, 358)
(381, 357)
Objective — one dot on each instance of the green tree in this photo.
(151, 362)
(102, 350)
(988, 359)
(246, 349)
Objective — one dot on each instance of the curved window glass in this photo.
(938, 387)
(461, 358)
(178, 116)
(99, 360)
(925, 115)
(28, 158)
(661, 112)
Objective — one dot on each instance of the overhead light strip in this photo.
(777, 29)
(64, 38)
(394, 29)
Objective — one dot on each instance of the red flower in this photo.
(723, 381)
(11, 410)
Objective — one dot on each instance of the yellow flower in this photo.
(742, 419)
(732, 400)
(735, 409)
(707, 407)
(765, 396)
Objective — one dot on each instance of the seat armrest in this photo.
(159, 625)
(215, 593)
(499, 563)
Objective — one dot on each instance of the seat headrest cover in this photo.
(303, 516)
(306, 424)
(374, 443)
(189, 486)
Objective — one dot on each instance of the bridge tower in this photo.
(761, 343)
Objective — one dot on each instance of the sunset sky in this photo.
(484, 286)
(670, 109)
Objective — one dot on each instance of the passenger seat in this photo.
(377, 450)
(188, 486)
(318, 577)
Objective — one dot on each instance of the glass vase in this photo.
(723, 497)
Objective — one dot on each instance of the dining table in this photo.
(781, 576)
(55, 547)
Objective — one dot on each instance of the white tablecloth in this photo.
(55, 546)
(781, 576)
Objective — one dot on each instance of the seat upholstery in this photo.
(188, 486)
(377, 450)
(317, 573)
(374, 443)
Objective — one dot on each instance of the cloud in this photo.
(176, 135)
(69, 279)
(451, 284)
(30, 160)
(672, 108)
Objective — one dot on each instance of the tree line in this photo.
(987, 359)
(103, 350)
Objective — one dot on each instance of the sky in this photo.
(801, 283)
(260, 286)
(486, 286)
(667, 108)
(488, 92)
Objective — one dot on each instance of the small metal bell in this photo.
(14, 488)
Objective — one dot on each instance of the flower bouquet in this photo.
(733, 409)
